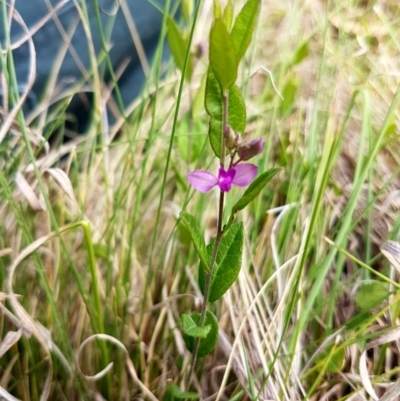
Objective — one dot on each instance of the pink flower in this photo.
(240, 175)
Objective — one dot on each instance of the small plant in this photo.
(220, 260)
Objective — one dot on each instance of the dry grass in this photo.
(290, 327)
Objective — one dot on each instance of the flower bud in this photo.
(249, 149)
(230, 138)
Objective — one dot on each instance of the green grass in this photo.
(108, 255)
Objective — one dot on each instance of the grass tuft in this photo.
(96, 269)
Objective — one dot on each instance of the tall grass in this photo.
(90, 241)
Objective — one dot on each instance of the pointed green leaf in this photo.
(336, 361)
(184, 236)
(197, 237)
(255, 188)
(289, 95)
(187, 9)
(213, 97)
(213, 104)
(217, 10)
(371, 294)
(214, 134)
(173, 393)
(222, 56)
(199, 99)
(331, 359)
(178, 46)
(251, 192)
(227, 18)
(227, 264)
(301, 53)
(244, 25)
(236, 110)
(101, 251)
(191, 329)
(207, 344)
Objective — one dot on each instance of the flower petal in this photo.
(225, 179)
(202, 180)
(245, 174)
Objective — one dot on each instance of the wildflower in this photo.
(240, 175)
(249, 149)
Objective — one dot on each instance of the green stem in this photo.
(95, 277)
(99, 318)
(207, 284)
(224, 127)
(110, 67)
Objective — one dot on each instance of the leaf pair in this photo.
(227, 49)
(208, 334)
(227, 263)
(228, 260)
(214, 108)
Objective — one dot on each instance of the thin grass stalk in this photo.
(110, 67)
(171, 142)
(150, 141)
(149, 276)
(174, 124)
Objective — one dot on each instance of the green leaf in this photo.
(184, 236)
(227, 263)
(301, 53)
(222, 56)
(189, 138)
(191, 329)
(199, 99)
(331, 359)
(236, 110)
(336, 361)
(213, 97)
(371, 294)
(244, 25)
(357, 320)
(187, 9)
(251, 192)
(207, 344)
(289, 95)
(227, 18)
(214, 134)
(173, 392)
(197, 237)
(214, 106)
(178, 46)
(217, 10)
(101, 251)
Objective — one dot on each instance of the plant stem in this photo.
(207, 284)
(224, 127)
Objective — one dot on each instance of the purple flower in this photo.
(240, 175)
